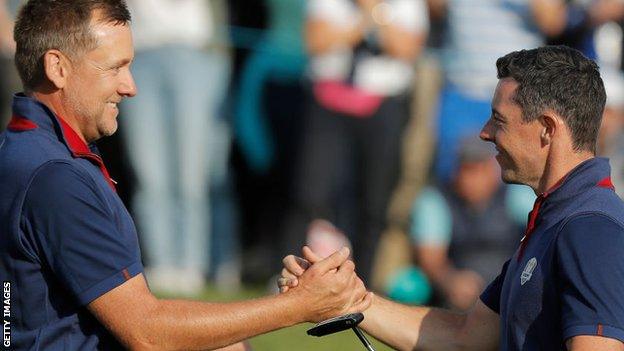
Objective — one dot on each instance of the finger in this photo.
(335, 260)
(287, 282)
(309, 255)
(281, 281)
(305, 264)
(346, 269)
(287, 274)
(292, 264)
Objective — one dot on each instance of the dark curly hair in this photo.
(561, 79)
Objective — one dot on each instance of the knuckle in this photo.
(286, 260)
(349, 265)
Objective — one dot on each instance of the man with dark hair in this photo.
(69, 259)
(564, 286)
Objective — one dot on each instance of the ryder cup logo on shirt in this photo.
(528, 271)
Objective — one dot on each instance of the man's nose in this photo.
(127, 87)
(485, 133)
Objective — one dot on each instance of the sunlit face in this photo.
(520, 151)
(100, 79)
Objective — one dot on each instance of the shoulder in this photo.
(591, 233)
(429, 201)
(57, 183)
(55, 173)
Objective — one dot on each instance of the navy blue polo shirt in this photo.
(66, 238)
(567, 276)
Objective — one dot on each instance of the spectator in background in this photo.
(9, 80)
(462, 234)
(361, 68)
(583, 17)
(610, 139)
(173, 134)
(477, 33)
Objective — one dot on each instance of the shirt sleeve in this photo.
(76, 232)
(491, 295)
(431, 221)
(591, 277)
(338, 11)
(411, 15)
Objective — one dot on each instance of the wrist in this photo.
(295, 306)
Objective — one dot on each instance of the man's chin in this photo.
(108, 130)
(509, 177)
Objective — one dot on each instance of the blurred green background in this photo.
(293, 338)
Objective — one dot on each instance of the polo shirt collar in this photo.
(590, 173)
(29, 114)
(551, 205)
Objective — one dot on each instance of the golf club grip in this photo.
(336, 324)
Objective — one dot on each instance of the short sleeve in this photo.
(491, 295)
(76, 232)
(591, 277)
(411, 15)
(431, 221)
(335, 11)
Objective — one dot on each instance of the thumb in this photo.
(334, 261)
(309, 255)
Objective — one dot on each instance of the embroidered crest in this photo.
(528, 271)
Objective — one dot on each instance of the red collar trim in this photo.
(21, 124)
(75, 143)
(606, 183)
(80, 149)
(534, 214)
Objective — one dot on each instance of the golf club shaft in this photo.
(363, 339)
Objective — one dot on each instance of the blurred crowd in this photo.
(262, 126)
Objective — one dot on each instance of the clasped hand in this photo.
(330, 286)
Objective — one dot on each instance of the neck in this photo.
(557, 168)
(54, 102)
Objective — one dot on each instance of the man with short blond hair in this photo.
(69, 247)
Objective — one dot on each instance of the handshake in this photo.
(326, 287)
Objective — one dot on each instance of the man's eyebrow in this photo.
(120, 63)
(497, 113)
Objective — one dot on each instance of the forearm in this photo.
(190, 325)
(550, 16)
(399, 43)
(437, 8)
(434, 261)
(408, 328)
(6, 25)
(322, 37)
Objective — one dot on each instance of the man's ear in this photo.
(56, 67)
(551, 125)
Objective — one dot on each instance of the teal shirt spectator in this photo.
(431, 220)
(475, 238)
